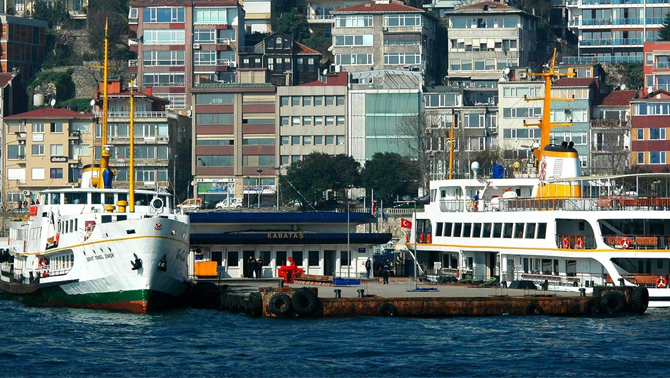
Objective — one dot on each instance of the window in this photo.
(330, 100)
(318, 139)
(640, 134)
(318, 120)
(656, 157)
(284, 121)
(38, 127)
(340, 140)
(295, 101)
(313, 258)
(163, 58)
(306, 140)
(353, 40)
(37, 173)
(203, 36)
(330, 139)
(295, 140)
(284, 140)
(16, 151)
(344, 258)
(56, 127)
(307, 101)
(318, 100)
(56, 173)
(56, 150)
(295, 121)
(163, 37)
(656, 133)
(640, 157)
(307, 121)
(37, 149)
(340, 120)
(167, 14)
(330, 120)
(218, 15)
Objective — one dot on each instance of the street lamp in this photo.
(260, 188)
(248, 193)
(277, 185)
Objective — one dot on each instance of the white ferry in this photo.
(559, 229)
(99, 247)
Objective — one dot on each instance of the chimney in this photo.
(148, 91)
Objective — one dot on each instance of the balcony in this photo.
(612, 42)
(138, 114)
(133, 62)
(608, 123)
(601, 59)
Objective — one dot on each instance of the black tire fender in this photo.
(304, 302)
(279, 304)
(255, 305)
(613, 302)
(639, 299)
(534, 308)
(387, 309)
(593, 308)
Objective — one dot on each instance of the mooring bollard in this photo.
(360, 293)
(621, 282)
(582, 292)
(338, 293)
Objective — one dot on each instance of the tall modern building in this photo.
(319, 15)
(385, 34)
(610, 134)
(22, 43)
(656, 66)
(77, 8)
(649, 141)
(487, 37)
(235, 139)
(181, 44)
(614, 30)
(259, 15)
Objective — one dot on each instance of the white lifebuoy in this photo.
(661, 282)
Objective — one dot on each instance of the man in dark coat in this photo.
(259, 267)
(251, 269)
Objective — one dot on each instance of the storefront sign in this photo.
(59, 159)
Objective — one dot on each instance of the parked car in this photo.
(190, 204)
(231, 203)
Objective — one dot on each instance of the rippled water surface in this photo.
(71, 342)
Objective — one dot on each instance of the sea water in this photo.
(73, 342)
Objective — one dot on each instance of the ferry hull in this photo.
(134, 301)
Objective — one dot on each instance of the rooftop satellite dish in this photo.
(92, 102)
(52, 102)
(623, 87)
(325, 71)
(188, 113)
(650, 89)
(506, 71)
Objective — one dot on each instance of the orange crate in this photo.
(206, 268)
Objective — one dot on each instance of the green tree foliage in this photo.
(55, 14)
(293, 24)
(391, 175)
(664, 32)
(316, 174)
(61, 80)
(116, 12)
(633, 74)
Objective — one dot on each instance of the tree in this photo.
(664, 32)
(311, 178)
(115, 11)
(633, 74)
(55, 14)
(391, 175)
(293, 24)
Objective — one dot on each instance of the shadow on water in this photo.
(65, 342)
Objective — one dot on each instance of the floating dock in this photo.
(398, 300)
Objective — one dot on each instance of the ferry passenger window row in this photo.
(492, 230)
(65, 227)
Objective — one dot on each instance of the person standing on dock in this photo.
(368, 267)
(385, 274)
(259, 267)
(251, 269)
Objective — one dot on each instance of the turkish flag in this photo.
(404, 223)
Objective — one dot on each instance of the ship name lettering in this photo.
(99, 257)
(109, 255)
(89, 259)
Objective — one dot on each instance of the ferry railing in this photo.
(572, 241)
(637, 241)
(610, 203)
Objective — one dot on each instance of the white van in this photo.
(230, 203)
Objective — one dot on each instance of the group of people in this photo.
(384, 271)
(255, 267)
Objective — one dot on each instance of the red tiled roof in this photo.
(338, 79)
(5, 78)
(378, 7)
(618, 98)
(137, 94)
(653, 95)
(59, 113)
(491, 4)
(306, 50)
(574, 82)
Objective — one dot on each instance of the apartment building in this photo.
(515, 138)
(235, 139)
(287, 61)
(649, 143)
(614, 31)
(182, 44)
(656, 66)
(385, 34)
(22, 43)
(44, 148)
(442, 106)
(312, 118)
(610, 134)
(76, 8)
(487, 37)
(162, 141)
(319, 15)
(259, 15)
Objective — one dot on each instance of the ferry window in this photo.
(109, 198)
(467, 229)
(122, 197)
(518, 230)
(447, 229)
(526, 267)
(106, 219)
(457, 229)
(497, 230)
(581, 226)
(530, 231)
(555, 266)
(487, 230)
(55, 199)
(75, 198)
(659, 264)
(72, 227)
(121, 218)
(541, 230)
(438, 229)
(507, 231)
(233, 258)
(571, 268)
(344, 258)
(453, 261)
(281, 258)
(217, 256)
(96, 198)
(266, 255)
(546, 266)
(476, 230)
(297, 258)
(313, 258)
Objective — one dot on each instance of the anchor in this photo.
(162, 265)
(137, 264)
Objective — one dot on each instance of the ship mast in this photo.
(545, 123)
(98, 179)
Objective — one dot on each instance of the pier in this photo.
(273, 298)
